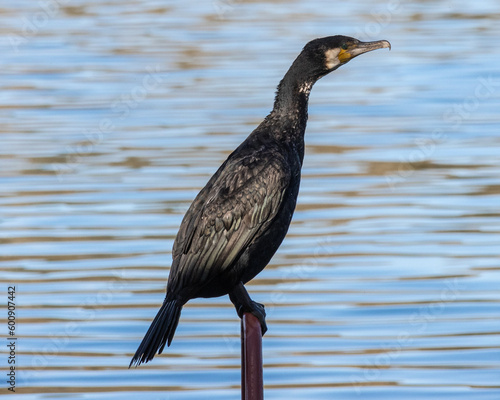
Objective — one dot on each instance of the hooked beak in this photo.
(361, 48)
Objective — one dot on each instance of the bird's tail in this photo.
(160, 332)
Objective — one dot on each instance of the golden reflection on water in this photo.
(387, 284)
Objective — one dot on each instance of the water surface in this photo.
(115, 113)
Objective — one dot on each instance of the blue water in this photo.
(113, 114)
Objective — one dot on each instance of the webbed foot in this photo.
(243, 303)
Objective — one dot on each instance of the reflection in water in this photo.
(387, 284)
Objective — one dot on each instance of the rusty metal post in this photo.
(252, 383)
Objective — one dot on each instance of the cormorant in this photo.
(239, 219)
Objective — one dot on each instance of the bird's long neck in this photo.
(289, 114)
(291, 102)
(286, 124)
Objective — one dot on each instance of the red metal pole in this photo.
(252, 383)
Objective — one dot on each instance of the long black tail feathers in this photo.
(160, 333)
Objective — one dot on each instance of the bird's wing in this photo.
(239, 200)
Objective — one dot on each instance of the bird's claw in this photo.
(259, 311)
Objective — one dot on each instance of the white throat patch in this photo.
(332, 58)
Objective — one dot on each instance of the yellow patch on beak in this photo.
(344, 56)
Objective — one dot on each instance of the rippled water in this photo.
(115, 113)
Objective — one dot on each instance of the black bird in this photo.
(239, 219)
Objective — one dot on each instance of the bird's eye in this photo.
(344, 46)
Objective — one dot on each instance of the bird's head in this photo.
(326, 54)
(318, 58)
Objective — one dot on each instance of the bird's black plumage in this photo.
(239, 219)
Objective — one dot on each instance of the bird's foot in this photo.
(244, 304)
(256, 309)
